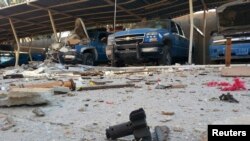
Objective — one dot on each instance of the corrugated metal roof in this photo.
(32, 18)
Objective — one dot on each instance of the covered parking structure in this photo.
(37, 17)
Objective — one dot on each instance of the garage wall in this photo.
(198, 39)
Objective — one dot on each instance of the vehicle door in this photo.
(175, 40)
(184, 43)
(101, 44)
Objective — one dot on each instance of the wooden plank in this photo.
(242, 71)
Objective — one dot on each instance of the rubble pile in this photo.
(69, 100)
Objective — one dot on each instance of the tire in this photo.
(88, 59)
(166, 58)
(118, 63)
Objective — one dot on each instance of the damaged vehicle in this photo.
(7, 56)
(233, 21)
(159, 41)
(83, 46)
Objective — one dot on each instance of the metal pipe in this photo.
(17, 42)
(191, 31)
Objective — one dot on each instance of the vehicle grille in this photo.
(129, 39)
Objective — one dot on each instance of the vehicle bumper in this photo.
(70, 57)
(239, 51)
(139, 52)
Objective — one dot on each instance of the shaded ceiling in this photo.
(32, 18)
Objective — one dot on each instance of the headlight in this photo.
(152, 34)
(111, 39)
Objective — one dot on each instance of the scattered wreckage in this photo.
(82, 46)
(233, 22)
(159, 41)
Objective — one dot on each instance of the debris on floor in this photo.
(70, 84)
(13, 76)
(167, 113)
(136, 126)
(112, 93)
(38, 112)
(171, 86)
(26, 96)
(237, 85)
(7, 123)
(228, 98)
(61, 90)
(113, 86)
(242, 71)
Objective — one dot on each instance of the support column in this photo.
(228, 51)
(115, 16)
(191, 31)
(204, 38)
(53, 25)
(17, 52)
(30, 44)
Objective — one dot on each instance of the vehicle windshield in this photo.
(151, 24)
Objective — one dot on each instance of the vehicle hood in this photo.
(234, 16)
(135, 31)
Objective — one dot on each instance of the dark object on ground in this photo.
(162, 86)
(38, 112)
(229, 98)
(161, 133)
(13, 76)
(136, 126)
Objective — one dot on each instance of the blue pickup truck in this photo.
(157, 41)
(233, 22)
(89, 53)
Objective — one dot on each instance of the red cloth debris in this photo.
(214, 84)
(225, 86)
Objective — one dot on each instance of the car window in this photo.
(180, 30)
(151, 24)
(173, 28)
(103, 37)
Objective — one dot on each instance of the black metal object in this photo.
(136, 126)
(13, 76)
(228, 98)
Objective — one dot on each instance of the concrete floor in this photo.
(84, 115)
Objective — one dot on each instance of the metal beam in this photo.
(199, 31)
(58, 5)
(54, 11)
(191, 31)
(17, 42)
(53, 25)
(125, 10)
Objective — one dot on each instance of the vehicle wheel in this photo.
(113, 63)
(166, 56)
(88, 59)
(118, 63)
(60, 58)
